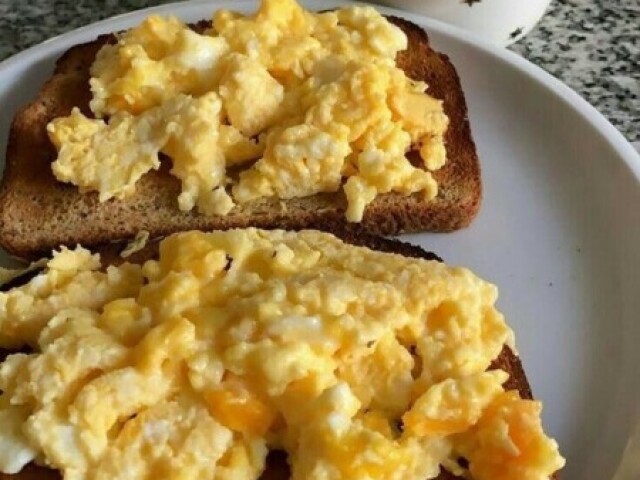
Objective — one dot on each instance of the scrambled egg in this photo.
(110, 159)
(359, 364)
(303, 102)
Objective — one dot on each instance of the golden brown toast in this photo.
(38, 213)
(277, 468)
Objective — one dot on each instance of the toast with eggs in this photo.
(276, 462)
(38, 213)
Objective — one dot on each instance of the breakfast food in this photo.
(286, 96)
(285, 118)
(357, 363)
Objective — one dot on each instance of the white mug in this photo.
(499, 21)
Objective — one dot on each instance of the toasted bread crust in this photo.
(277, 468)
(38, 213)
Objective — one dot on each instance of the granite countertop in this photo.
(591, 45)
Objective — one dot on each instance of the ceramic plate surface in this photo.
(558, 232)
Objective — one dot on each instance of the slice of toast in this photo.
(277, 468)
(37, 212)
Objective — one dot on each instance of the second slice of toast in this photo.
(38, 213)
(277, 468)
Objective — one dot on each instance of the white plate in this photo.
(559, 230)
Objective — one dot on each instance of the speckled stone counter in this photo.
(591, 45)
